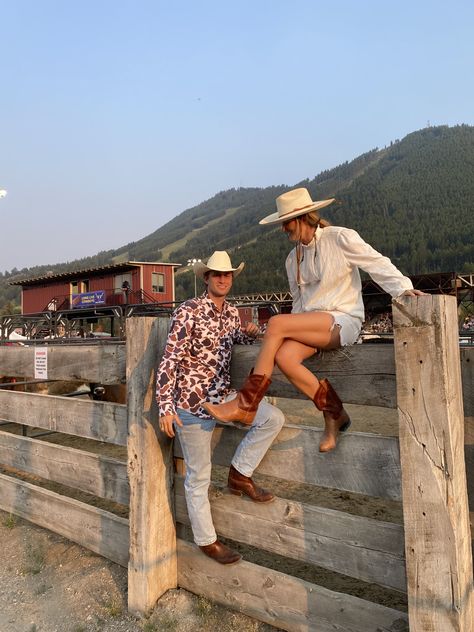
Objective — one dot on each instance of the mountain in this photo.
(412, 200)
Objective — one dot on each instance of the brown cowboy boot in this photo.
(221, 553)
(239, 484)
(336, 419)
(244, 407)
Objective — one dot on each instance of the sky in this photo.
(117, 115)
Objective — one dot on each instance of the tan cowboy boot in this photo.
(244, 407)
(221, 553)
(239, 484)
(336, 419)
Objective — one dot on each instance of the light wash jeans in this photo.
(195, 438)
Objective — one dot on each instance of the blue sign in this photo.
(88, 299)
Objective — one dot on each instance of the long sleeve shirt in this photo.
(195, 366)
(329, 278)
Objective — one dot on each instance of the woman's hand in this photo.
(166, 424)
(413, 293)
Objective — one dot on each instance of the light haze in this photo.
(116, 115)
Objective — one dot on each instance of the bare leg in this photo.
(289, 359)
(311, 329)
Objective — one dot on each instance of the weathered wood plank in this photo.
(469, 456)
(99, 475)
(103, 421)
(367, 549)
(281, 600)
(435, 506)
(152, 567)
(363, 463)
(104, 364)
(91, 527)
(361, 374)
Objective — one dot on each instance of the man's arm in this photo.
(177, 346)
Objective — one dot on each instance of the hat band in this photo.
(295, 210)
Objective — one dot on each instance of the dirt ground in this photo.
(49, 584)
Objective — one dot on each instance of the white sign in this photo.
(41, 364)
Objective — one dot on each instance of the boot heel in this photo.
(236, 492)
(345, 426)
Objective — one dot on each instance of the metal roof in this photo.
(124, 265)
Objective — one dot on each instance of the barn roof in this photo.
(115, 267)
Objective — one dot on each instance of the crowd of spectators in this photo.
(378, 324)
(468, 323)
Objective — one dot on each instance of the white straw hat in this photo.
(219, 261)
(293, 204)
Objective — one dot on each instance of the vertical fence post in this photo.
(152, 568)
(435, 505)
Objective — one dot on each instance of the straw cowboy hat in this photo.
(293, 204)
(219, 261)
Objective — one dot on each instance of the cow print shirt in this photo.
(196, 363)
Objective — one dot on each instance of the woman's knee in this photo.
(275, 325)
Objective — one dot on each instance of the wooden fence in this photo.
(429, 558)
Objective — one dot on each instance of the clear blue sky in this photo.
(117, 115)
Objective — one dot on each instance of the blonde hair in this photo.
(312, 219)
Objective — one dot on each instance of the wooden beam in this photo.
(98, 475)
(102, 421)
(361, 374)
(363, 463)
(104, 364)
(286, 602)
(153, 565)
(91, 527)
(370, 550)
(437, 533)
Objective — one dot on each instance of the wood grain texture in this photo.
(361, 374)
(153, 565)
(91, 527)
(98, 475)
(363, 463)
(102, 421)
(437, 532)
(283, 601)
(370, 550)
(104, 364)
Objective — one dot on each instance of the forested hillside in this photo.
(413, 200)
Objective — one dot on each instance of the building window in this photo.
(119, 281)
(157, 282)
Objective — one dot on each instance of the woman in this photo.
(327, 313)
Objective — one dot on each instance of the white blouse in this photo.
(329, 278)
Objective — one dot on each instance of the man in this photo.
(195, 368)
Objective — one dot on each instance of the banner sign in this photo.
(88, 299)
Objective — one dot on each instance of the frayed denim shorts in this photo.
(349, 327)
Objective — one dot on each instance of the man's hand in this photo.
(413, 293)
(166, 424)
(251, 329)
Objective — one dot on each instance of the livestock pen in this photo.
(423, 374)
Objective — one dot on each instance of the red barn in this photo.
(131, 282)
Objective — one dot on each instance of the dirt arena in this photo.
(48, 584)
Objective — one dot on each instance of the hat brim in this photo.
(201, 268)
(275, 218)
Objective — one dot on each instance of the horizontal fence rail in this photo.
(363, 463)
(370, 550)
(89, 363)
(91, 527)
(286, 602)
(102, 421)
(97, 475)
